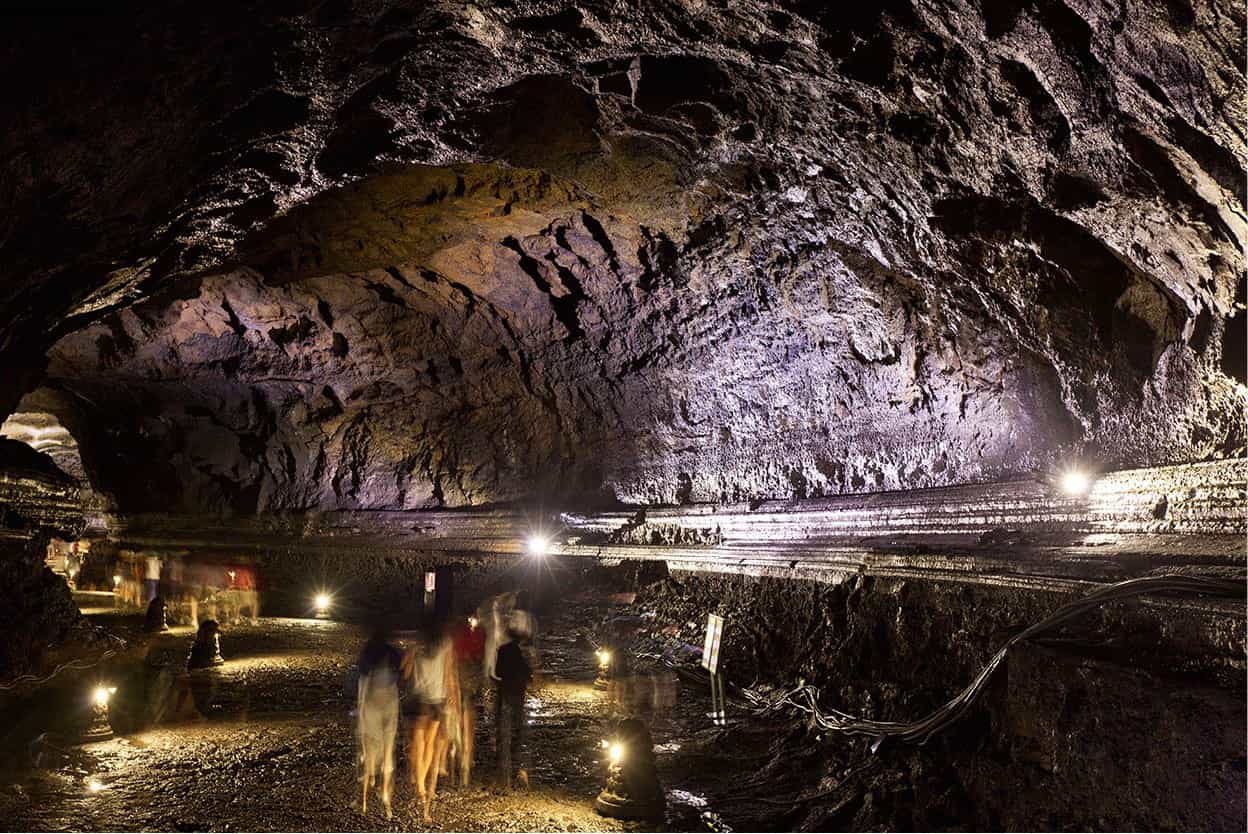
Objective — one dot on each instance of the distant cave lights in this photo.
(1075, 481)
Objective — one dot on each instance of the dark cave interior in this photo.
(883, 331)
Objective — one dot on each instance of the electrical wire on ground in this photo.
(805, 698)
(79, 664)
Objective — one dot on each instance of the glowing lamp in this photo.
(116, 579)
(473, 622)
(322, 602)
(1075, 482)
(100, 728)
(538, 545)
(616, 752)
(94, 786)
(604, 658)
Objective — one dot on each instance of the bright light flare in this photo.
(538, 545)
(103, 693)
(1075, 482)
(116, 579)
(616, 752)
(323, 601)
(473, 622)
(604, 658)
(94, 785)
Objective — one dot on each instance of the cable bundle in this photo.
(804, 697)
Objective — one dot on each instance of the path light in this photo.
(116, 581)
(1075, 482)
(633, 791)
(94, 785)
(603, 680)
(99, 729)
(538, 545)
(323, 601)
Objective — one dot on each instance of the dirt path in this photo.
(277, 751)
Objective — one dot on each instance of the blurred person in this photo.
(512, 673)
(496, 615)
(377, 720)
(429, 669)
(468, 646)
(151, 577)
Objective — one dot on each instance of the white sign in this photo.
(710, 650)
(431, 582)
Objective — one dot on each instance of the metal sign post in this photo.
(710, 662)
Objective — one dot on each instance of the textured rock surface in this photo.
(1114, 723)
(404, 257)
(37, 502)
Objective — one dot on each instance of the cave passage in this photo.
(267, 741)
(853, 394)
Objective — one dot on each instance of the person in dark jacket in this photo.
(513, 674)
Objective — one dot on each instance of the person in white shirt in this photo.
(152, 577)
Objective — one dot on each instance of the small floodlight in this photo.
(323, 601)
(1075, 482)
(102, 693)
(94, 785)
(538, 545)
(604, 658)
(617, 753)
(473, 622)
(116, 579)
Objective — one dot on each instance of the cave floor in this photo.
(276, 751)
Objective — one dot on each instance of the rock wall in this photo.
(380, 257)
(37, 612)
(1130, 719)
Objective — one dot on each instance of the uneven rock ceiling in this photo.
(316, 255)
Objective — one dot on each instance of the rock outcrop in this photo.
(333, 256)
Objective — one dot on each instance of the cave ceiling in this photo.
(381, 255)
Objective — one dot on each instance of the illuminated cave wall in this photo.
(413, 257)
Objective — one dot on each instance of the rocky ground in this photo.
(276, 752)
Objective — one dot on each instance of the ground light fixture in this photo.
(603, 681)
(632, 791)
(99, 729)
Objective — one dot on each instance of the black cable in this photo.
(804, 697)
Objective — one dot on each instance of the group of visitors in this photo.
(437, 685)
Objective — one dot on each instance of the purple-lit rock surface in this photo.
(435, 256)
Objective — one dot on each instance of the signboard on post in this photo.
(431, 582)
(710, 650)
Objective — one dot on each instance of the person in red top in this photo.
(468, 647)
